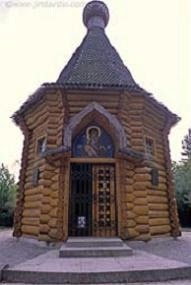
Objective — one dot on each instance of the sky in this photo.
(37, 38)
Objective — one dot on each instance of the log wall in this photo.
(144, 209)
(158, 202)
(41, 215)
(76, 102)
(147, 205)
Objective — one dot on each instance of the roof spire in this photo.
(96, 14)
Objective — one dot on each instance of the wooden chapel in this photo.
(96, 158)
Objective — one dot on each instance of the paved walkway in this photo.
(158, 253)
(138, 261)
(182, 282)
(179, 249)
(13, 252)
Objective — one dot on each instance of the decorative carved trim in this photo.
(20, 198)
(61, 203)
(122, 206)
(66, 110)
(111, 119)
(65, 190)
(54, 156)
(121, 105)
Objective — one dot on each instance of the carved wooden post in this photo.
(141, 207)
(122, 185)
(20, 196)
(63, 196)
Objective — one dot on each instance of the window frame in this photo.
(151, 139)
(38, 149)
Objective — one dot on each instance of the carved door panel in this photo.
(104, 202)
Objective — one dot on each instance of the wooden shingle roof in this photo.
(95, 65)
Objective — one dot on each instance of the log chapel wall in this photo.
(144, 207)
(41, 213)
(147, 210)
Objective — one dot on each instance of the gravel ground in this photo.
(179, 249)
(182, 282)
(13, 252)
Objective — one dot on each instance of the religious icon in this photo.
(93, 142)
(93, 148)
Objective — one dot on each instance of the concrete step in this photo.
(93, 242)
(95, 252)
(94, 247)
(140, 267)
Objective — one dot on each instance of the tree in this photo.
(182, 178)
(8, 190)
(186, 146)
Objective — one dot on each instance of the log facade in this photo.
(127, 192)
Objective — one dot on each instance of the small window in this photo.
(35, 177)
(41, 145)
(149, 145)
(154, 176)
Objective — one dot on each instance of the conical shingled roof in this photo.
(96, 63)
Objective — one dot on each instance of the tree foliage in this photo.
(186, 146)
(8, 189)
(182, 178)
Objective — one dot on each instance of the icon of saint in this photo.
(93, 148)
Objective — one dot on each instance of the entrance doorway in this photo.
(92, 210)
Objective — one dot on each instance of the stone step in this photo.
(95, 252)
(93, 242)
(94, 247)
(140, 267)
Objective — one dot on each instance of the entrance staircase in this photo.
(94, 247)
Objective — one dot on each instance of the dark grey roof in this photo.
(96, 63)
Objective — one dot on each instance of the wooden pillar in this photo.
(129, 197)
(120, 199)
(20, 196)
(63, 204)
(141, 178)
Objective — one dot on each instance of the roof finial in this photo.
(96, 14)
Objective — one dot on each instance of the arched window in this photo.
(93, 141)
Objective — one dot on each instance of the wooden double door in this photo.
(92, 209)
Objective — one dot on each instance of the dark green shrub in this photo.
(8, 190)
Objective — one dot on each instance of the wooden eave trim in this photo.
(40, 95)
(93, 91)
(92, 160)
(47, 87)
(23, 126)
